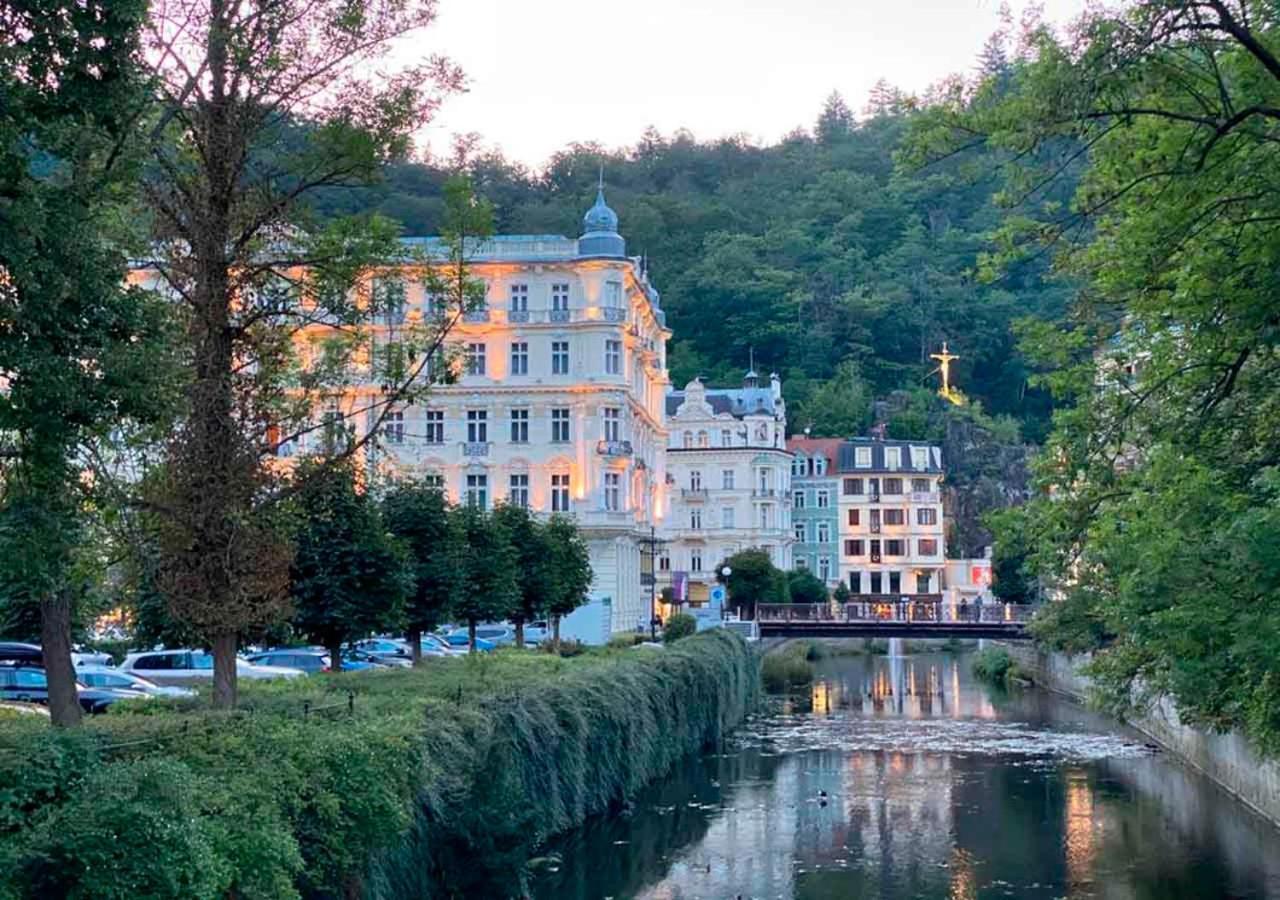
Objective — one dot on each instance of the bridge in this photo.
(906, 616)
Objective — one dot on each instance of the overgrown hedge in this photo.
(442, 783)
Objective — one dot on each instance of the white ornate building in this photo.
(729, 474)
(559, 405)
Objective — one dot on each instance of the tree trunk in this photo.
(520, 633)
(555, 632)
(415, 644)
(224, 670)
(471, 634)
(335, 655)
(55, 643)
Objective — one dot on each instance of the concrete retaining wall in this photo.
(1227, 759)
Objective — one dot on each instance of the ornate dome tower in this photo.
(600, 229)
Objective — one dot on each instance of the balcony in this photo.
(614, 448)
(559, 315)
(475, 448)
(476, 316)
(875, 527)
(925, 497)
(693, 493)
(766, 493)
(517, 315)
(612, 314)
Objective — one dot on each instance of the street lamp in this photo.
(725, 572)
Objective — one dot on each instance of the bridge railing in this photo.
(921, 608)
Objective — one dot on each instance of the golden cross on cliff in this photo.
(945, 358)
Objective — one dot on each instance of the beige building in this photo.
(729, 475)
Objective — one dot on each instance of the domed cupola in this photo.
(600, 229)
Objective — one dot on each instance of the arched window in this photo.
(703, 439)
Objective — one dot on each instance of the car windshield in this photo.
(201, 661)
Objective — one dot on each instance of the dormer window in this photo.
(862, 457)
(892, 457)
(820, 465)
(920, 457)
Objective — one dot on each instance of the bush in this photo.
(787, 667)
(625, 640)
(996, 666)
(565, 648)
(441, 782)
(681, 625)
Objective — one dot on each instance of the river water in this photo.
(904, 777)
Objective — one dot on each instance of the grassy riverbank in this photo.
(439, 782)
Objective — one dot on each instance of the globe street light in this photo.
(725, 572)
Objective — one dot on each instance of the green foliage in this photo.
(842, 594)
(534, 559)
(753, 579)
(489, 590)
(678, 626)
(570, 570)
(993, 664)
(805, 587)
(786, 668)
(494, 754)
(419, 516)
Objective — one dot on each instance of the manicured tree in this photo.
(753, 579)
(570, 570)
(349, 576)
(419, 516)
(533, 564)
(805, 587)
(489, 591)
(264, 105)
(79, 351)
(842, 594)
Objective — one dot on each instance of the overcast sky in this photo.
(544, 73)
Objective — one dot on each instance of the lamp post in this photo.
(725, 572)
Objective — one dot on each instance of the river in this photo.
(905, 777)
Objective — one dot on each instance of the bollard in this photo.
(306, 709)
(351, 703)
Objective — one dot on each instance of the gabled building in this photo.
(728, 474)
(815, 512)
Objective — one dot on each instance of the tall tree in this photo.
(265, 104)
(349, 575)
(835, 121)
(752, 579)
(78, 349)
(534, 564)
(419, 516)
(570, 570)
(489, 590)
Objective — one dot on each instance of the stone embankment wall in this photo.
(1227, 759)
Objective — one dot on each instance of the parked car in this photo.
(536, 632)
(436, 645)
(500, 634)
(308, 660)
(90, 658)
(386, 650)
(165, 666)
(14, 650)
(461, 639)
(27, 684)
(116, 679)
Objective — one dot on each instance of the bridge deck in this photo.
(911, 616)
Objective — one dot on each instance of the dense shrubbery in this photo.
(787, 667)
(994, 664)
(442, 782)
(681, 625)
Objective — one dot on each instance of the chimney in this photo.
(877, 431)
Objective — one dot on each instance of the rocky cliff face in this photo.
(984, 472)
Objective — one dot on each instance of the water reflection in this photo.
(904, 777)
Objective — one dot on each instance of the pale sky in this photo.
(544, 73)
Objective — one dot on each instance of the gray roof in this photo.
(738, 402)
(845, 460)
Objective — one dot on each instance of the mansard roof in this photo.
(846, 463)
(737, 402)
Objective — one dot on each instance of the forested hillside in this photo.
(842, 272)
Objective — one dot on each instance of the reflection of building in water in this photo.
(919, 689)
(1081, 829)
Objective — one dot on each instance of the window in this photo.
(726, 479)
(874, 548)
(695, 560)
(895, 517)
(875, 521)
(27, 678)
(893, 485)
(560, 426)
(393, 427)
(612, 423)
(824, 567)
(434, 481)
(895, 547)
(559, 357)
(519, 298)
(519, 426)
(765, 516)
(926, 516)
(519, 492)
(560, 493)
(797, 467)
(862, 457)
(855, 548)
(919, 457)
(520, 358)
(478, 491)
(726, 437)
(612, 491)
(801, 531)
(855, 517)
(435, 426)
(877, 583)
(928, 546)
(560, 297)
(688, 440)
(798, 500)
(824, 532)
(388, 300)
(475, 359)
(892, 457)
(695, 519)
(477, 426)
(922, 583)
(895, 582)
(920, 485)
(824, 499)
(819, 465)
(852, 486)
(801, 563)
(855, 582)
(766, 480)
(612, 357)
(613, 293)
(695, 480)
(703, 439)
(664, 563)
(726, 517)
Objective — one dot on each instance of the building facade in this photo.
(815, 512)
(558, 401)
(890, 512)
(729, 475)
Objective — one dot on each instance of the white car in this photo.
(108, 677)
(167, 666)
(89, 658)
